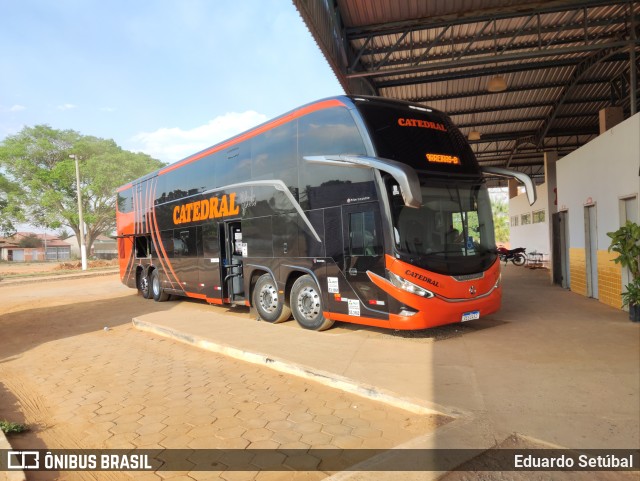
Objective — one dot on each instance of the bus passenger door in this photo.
(231, 256)
(210, 276)
(363, 249)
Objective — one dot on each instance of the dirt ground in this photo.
(79, 375)
(16, 269)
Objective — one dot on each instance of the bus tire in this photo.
(159, 295)
(143, 285)
(306, 305)
(266, 301)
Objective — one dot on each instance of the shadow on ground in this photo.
(29, 328)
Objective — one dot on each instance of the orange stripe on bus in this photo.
(161, 244)
(211, 300)
(367, 321)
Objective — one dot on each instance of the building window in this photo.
(525, 219)
(538, 216)
(514, 221)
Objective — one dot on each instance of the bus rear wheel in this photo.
(306, 305)
(266, 301)
(159, 295)
(143, 285)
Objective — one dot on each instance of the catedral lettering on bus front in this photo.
(362, 210)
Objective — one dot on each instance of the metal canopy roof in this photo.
(563, 61)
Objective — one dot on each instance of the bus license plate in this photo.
(469, 316)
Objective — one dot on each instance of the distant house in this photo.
(51, 248)
(103, 247)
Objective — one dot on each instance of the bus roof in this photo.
(330, 102)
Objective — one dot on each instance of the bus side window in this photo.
(363, 236)
(185, 242)
(210, 245)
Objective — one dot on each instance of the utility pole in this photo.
(83, 246)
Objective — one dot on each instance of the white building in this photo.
(592, 191)
(598, 187)
(530, 223)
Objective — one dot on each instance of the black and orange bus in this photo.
(353, 209)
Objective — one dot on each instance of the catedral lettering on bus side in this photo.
(212, 208)
(279, 220)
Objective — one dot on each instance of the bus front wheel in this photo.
(265, 299)
(306, 305)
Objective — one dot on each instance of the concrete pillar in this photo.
(609, 117)
(551, 183)
(550, 159)
(513, 188)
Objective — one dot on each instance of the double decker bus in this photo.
(354, 209)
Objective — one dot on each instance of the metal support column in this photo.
(633, 73)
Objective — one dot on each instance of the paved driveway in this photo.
(74, 369)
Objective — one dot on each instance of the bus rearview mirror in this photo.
(529, 185)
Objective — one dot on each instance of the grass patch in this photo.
(8, 427)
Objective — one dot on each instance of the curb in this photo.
(329, 379)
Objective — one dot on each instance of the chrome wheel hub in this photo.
(269, 298)
(309, 303)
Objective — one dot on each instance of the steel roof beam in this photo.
(518, 120)
(530, 136)
(531, 151)
(484, 52)
(512, 89)
(510, 34)
(500, 59)
(487, 71)
(581, 70)
(514, 11)
(527, 105)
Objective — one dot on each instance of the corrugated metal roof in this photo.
(563, 61)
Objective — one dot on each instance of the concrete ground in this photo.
(551, 367)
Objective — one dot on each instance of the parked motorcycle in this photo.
(517, 256)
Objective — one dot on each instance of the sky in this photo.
(164, 77)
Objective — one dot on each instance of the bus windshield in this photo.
(451, 233)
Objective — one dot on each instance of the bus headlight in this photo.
(405, 285)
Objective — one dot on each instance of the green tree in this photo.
(63, 234)
(8, 214)
(37, 159)
(500, 211)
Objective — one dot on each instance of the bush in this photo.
(8, 427)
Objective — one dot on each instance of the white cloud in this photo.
(17, 108)
(107, 109)
(172, 144)
(67, 106)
